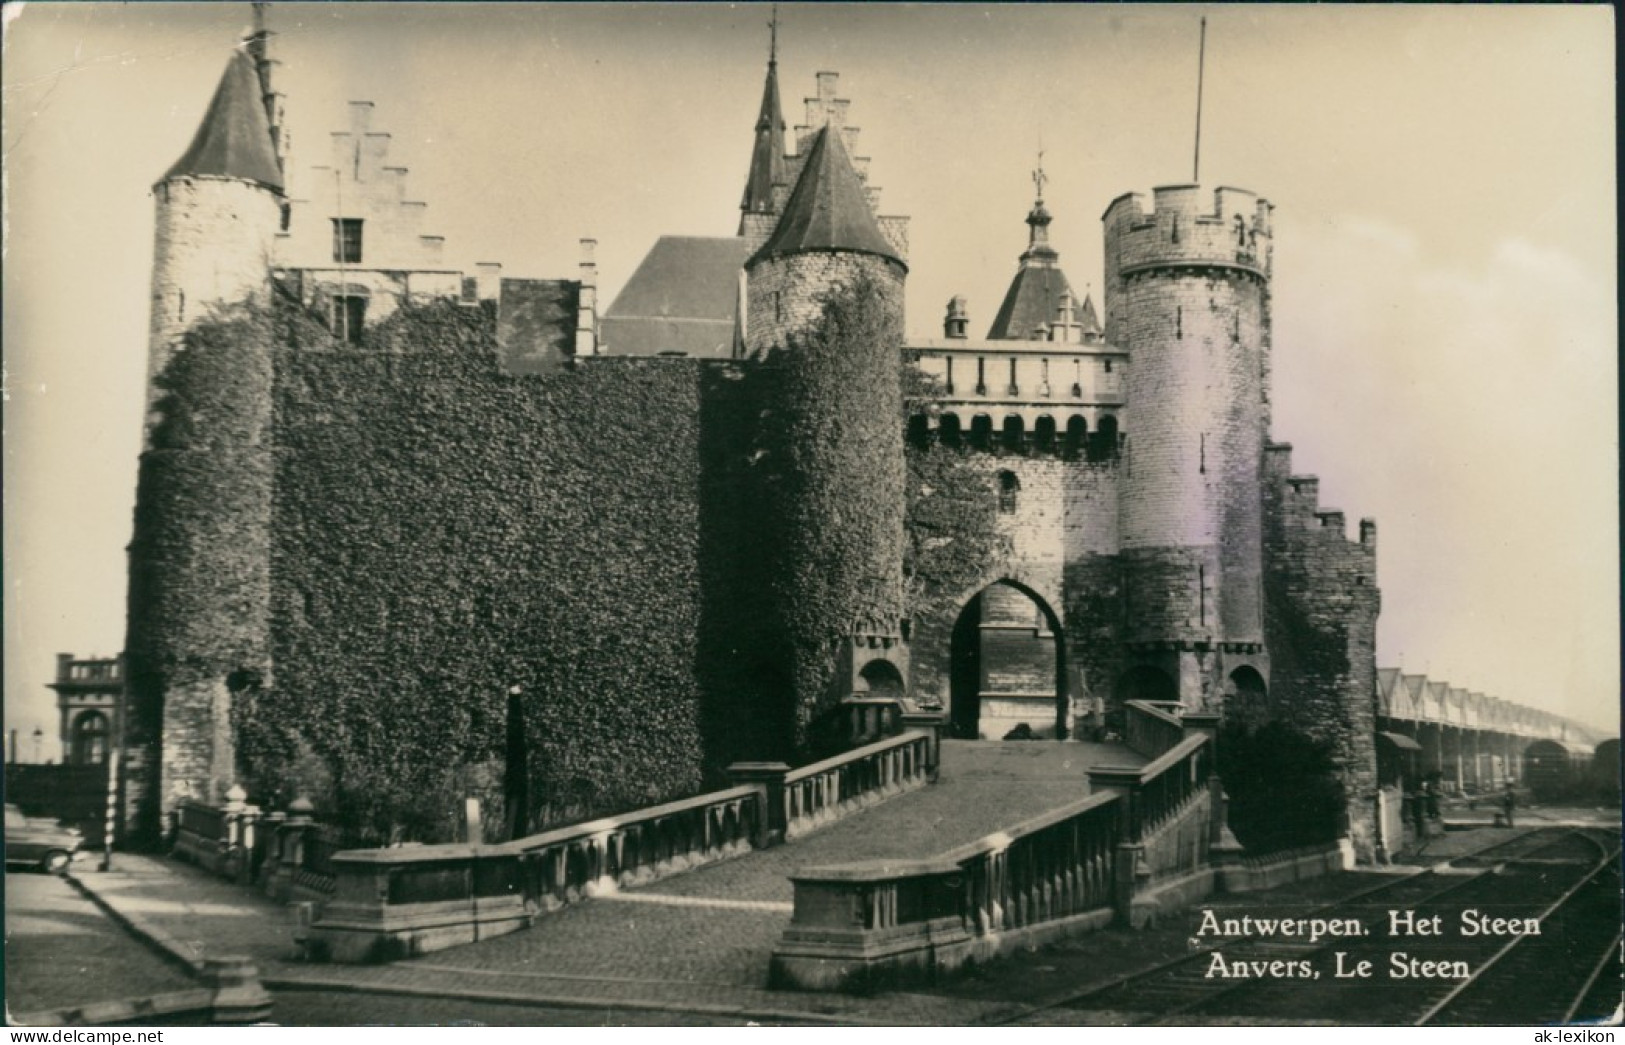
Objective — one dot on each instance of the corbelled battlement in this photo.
(1187, 226)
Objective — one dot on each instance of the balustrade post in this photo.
(931, 724)
(769, 777)
(1131, 869)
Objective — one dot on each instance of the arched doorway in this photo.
(882, 679)
(1008, 666)
(1246, 698)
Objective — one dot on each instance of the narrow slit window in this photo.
(1009, 486)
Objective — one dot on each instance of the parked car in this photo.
(39, 843)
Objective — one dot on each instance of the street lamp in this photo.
(39, 741)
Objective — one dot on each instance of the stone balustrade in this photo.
(868, 925)
(395, 903)
(224, 840)
(572, 863)
(1151, 729)
(1140, 843)
(823, 792)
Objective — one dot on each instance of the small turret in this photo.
(826, 236)
(957, 321)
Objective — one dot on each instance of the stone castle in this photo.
(423, 527)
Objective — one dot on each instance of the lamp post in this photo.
(39, 741)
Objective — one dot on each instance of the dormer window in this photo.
(347, 241)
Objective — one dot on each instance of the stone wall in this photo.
(786, 294)
(1321, 615)
(1190, 479)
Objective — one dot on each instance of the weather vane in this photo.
(1039, 177)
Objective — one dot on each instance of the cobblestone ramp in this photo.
(716, 927)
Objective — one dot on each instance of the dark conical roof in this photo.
(829, 209)
(767, 157)
(1031, 302)
(234, 140)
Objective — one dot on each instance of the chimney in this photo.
(957, 320)
(587, 301)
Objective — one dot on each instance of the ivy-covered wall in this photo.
(835, 483)
(446, 533)
(199, 580)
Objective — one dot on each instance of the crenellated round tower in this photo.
(1187, 294)
(824, 310)
(199, 555)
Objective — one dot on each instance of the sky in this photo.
(1445, 343)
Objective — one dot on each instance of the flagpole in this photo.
(1201, 62)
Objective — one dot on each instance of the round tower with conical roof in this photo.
(1187, 294)
(824, 310)
(199, 557)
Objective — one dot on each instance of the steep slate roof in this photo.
(234, 140)
(1032, 300)
(684, 297)
(767, 157)
(829, 209)
(1035, 293)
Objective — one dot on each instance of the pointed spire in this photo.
(1038, 220)
(234, 139)
(767, 156)
(829, 209)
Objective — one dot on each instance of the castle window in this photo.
(90, 734)
(348, 317)
(347, 241)
(1014, 389)
(1009, 486)
(950, 388)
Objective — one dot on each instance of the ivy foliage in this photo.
(834, 485)
(1283, 786)
(446, 533)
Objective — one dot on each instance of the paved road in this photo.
(62, 950)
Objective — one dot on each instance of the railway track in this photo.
(1410, 965)
(1531, 978)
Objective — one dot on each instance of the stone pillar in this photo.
(239, 997)
(769, 776)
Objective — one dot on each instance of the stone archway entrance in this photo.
(1008, 657)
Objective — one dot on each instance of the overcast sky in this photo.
(1445, 329)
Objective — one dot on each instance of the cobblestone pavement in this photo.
(63, 950)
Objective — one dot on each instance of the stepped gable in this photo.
(829, 209)
(234, 139)
(683, 298)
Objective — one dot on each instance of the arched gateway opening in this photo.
(1008, 666)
